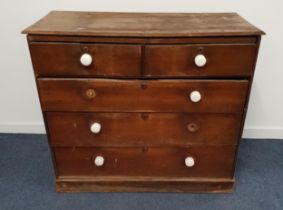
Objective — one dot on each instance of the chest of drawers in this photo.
(143, 102)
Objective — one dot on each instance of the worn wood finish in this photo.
(247, 102)
(142, 96)
(142, 24)
(154, 129)
(214, 162)
(120, 60)
(138, 89)
(116, 60)
(178, 60)
(144, 40)
(79, 184)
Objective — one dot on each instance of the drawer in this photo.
(216, 162)
(222, 60)
(212, 96)
(62, 59)
(142, 129)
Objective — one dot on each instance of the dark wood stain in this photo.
(152, 96)
(141, 184)
(223, 60)
(154, 129)
(138, 89)
(61, 59)
(142, 24)
(213, 162)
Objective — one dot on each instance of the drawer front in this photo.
(58, 59)
(225, 96)
(142, 129)
(179, 60)
(143, 162)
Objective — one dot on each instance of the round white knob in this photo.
(86, 59)
(95, 127)
(189, 161)
(99, 161)
(200, 60)
(195, 96)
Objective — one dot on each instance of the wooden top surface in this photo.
(142, 24)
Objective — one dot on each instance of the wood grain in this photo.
(80, 184)
(225, 96)
(178, 60)
(142, 129)
(61, 59)
(138, 89)
(212, 161)
(124, 60)
(142, 24)
(144, 40)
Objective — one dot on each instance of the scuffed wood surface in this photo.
(142, 24)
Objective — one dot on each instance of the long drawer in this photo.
(216, 162)
(142, 129)
(210, 96)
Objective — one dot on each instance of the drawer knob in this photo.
(90, 93)
(195, 96)
(200, 60)
(86, 59)
(99, 161)
(189, 162)
(95, 127)
(192, 127)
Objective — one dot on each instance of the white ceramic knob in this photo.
(95, 127)
(200, 60)
(195, 96)
(99, 161)
(86, 59)
(189, 162)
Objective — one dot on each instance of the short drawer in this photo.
(219, 60)
(142, 129)
(86, 60)
(211, 96)
(216, 162)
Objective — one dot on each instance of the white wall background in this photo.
(19, 105)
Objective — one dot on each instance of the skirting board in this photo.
(263, 133)
(22, 127)
(38, 128)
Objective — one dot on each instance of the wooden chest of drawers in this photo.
(143, 102)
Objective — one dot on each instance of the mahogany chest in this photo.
(144, 101)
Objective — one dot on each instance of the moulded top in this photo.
(142, 24)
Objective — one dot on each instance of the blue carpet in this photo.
(26, 182)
